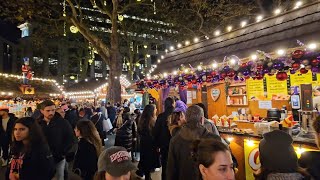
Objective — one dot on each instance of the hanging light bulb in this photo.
(217, 33)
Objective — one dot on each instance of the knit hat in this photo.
(277, 153)
(116, 161)
(180, 107)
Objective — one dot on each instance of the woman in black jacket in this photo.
(97, 119)
(148, 151)
(30, 154)
(126, 134)
(89, 149)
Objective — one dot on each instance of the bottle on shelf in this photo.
(228, 100)
(244, 100)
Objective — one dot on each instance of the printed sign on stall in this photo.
(298, 78)
(255, 89)
(276, 88)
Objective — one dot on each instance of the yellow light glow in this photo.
(277, 11)
(217, 33)
(171, 48)
(187, 43)
(243, 23)
(259, 18)
(186, 70)
(229, 28)
(312, 46)
(165, 75)
(215, 65)
(195, 40)
(175, 72)
(280, 52)
(254, 57)
(179, 45)
(199, 68)
(230, 139)
(250, 143)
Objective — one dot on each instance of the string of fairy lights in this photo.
(60, 87)
(219, 32)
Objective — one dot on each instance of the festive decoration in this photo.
(263, 64)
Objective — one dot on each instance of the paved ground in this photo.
(109, 143)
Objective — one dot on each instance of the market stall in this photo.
(269, 87)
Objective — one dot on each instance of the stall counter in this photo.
(245, 148)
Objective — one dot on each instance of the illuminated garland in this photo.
(232, 68)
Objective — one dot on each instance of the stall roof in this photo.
(273, 33)
(42, 89)
(89, 85)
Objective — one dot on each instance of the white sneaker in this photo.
(157, 169)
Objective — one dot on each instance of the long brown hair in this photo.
(35, 136)
(147, 118)
(174, 118)
(89, 132)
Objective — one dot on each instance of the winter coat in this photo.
(86, 160)
(161, 132)
(59, 135)
(311, 161)
(97, 121)
(112, 113)
(149, 157)
(180, 164)
(72, 117)
(5, 136)
(36, 165)
(126, 134)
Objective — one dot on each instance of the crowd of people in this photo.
(181, 140)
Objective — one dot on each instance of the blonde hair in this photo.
(89, 132)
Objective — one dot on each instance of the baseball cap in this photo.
(4, 108)
(116, 161)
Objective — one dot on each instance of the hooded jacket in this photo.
(180, 163)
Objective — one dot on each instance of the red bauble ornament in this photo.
(231, 73)
(213, 73)
(295, 66)
(244, 65)
(315, 62)
(259, 76)
(281, 76)
(247, 77)
(297, 54)
(259, 67)
(223, 75)
(303, 70)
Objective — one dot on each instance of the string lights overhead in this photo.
(230, 28)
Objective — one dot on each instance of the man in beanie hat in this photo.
(277, 156)
(116, 163)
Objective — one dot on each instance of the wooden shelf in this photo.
(235, 95)
(235, 85)
(238, 105)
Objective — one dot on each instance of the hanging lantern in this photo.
(297, 54)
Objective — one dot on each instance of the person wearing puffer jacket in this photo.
(127, 133)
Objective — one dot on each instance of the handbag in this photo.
(107, 126)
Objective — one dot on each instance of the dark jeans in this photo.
(164, 160)
(5, 150)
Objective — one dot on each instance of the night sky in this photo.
(9, 31)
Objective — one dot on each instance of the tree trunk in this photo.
(114, 90)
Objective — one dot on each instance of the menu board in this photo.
(254, 89)
(275, 87)
(298, 78)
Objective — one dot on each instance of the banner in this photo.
(251, 156)
(276, 88)
(255, 89)
(298, 78)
